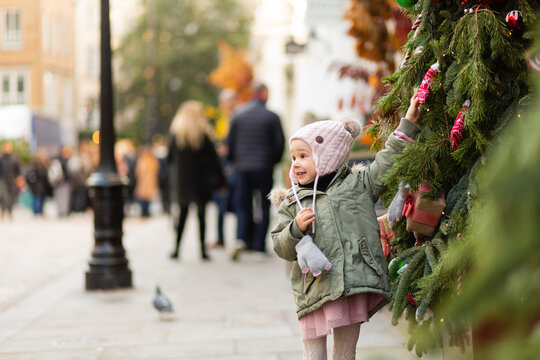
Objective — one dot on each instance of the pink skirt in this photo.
(340, 312)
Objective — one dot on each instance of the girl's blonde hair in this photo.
(189, 125)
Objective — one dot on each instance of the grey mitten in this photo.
(310, 257)
(396, 206)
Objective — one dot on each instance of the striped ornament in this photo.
(459, 128)
(416, 27)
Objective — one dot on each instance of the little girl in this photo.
(327, 224)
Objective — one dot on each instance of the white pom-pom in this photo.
(428, 314)
(353, 126)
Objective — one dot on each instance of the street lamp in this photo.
(108, 265)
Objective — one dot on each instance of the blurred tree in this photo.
(380, 29)
(21, 149)
(234, 71)
(470, 61)
(167, 57)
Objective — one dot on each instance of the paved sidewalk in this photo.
(223, 310)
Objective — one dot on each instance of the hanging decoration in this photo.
(514, 21)
(428, 314)
(459, 127)
(394, 275)
(387, 234)
(406, 3)
(411, 298)
(425, 87)
(423, 215)
(533, 62)
(416, 27)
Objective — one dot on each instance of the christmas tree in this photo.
(501, 297)
(501, 294)
(469, 60)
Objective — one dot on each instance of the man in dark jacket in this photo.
(255, 145)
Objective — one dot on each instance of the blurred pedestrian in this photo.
(38, 181)
(146, 183)
(59, 178)
(194, 161)
(160, 152)
(255, 145)
(77, 178)
(10, 169)
(227, 103)
(88, 167)
(125, 157)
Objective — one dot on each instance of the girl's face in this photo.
(303, 165)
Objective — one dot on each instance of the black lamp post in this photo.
(108, 265)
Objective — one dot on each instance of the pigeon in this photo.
(162, 303)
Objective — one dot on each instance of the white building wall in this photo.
(123, 14)
(270, 30)
(307, 82)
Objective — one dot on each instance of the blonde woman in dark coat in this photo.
(197, 170)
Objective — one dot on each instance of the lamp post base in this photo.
(108, 278)
(108, 265)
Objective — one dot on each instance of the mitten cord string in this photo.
(314, 198)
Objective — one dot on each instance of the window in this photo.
(50, 93)
(20, 89)
(11, 29)
(5, 90)
(14, 86)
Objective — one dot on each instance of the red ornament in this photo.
(411, 298)
(459, 128)
(514, 21)
(425, 87)
(533, 62)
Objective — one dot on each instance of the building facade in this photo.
(37, 71)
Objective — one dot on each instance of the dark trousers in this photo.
(246, 186)
(37, 204)
(221, 199)
(145, 208)
(201, 212)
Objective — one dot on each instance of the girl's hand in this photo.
(413, 113)
(304, 218)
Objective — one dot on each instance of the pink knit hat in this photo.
(331, 142)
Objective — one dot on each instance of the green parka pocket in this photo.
(302, 283)
(368, 257)
(309, 279)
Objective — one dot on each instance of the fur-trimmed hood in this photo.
(277, 195)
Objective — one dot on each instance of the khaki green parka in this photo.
(347, 232)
